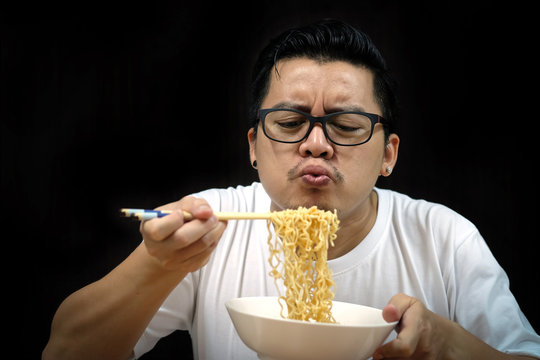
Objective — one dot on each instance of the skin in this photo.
(105, 319)
(320, 89)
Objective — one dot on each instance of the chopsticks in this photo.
(145, 214)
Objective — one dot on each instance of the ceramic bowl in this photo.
(358, 332)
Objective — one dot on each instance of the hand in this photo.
(422, 334)
(180, 245)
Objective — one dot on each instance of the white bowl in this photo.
(359, 331)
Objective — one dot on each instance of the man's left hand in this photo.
(422, 334)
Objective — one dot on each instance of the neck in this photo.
(354, 228)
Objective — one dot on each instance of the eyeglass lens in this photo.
(345, 128)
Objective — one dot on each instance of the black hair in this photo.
(329, 40)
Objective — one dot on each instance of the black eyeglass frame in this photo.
(375, 119)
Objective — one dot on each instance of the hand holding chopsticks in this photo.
(145, 214)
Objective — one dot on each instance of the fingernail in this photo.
(212, 220)
(207, 240)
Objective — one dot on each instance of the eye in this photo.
(287, 120)
(346, 128)
(349, 124)
(290, 124)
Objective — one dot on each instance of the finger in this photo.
(159, 229)
(202, 211)
(398, 305)
(391, 313)
(409, 329)
(197, 254)
(186, 235)
(210, 239)
(193, 231)
(401, 347)
(199, 208)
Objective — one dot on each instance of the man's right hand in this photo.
(105, 319)
(181, 245)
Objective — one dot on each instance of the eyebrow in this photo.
(291, 105)
(346, 108)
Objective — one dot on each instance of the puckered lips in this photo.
(316, 175)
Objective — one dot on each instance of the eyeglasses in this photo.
(345, 128)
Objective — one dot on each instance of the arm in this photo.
(424, 334)
(106, 318)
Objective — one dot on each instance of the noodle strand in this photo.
(305, 236)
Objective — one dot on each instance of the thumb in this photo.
(391, 313)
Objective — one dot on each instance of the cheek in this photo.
(267, 153)
(362, 166)
(272, 160)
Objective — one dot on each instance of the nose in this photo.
(316, 144)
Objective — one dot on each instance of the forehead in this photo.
(311, 84)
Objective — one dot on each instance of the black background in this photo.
(109, 105)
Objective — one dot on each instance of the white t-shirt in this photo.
(422, 249)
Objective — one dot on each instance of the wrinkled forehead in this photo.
(329, 85)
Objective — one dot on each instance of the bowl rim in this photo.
(294, 321)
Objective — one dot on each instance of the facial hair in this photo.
(294, 173)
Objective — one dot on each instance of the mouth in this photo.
(315, 175)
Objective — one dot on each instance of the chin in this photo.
(294, 197)
(307, 202)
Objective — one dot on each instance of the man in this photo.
(324, 111)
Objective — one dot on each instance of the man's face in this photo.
(315, 171)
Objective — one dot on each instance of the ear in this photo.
(390, 155)
(252, 139)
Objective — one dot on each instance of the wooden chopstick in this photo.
(145, 214)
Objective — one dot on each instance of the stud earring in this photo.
(388, 170)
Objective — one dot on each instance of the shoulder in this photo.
(425, 217)
(240, 198)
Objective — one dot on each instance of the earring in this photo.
(254, 164)
(388, 170)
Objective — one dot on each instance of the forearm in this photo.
(105, 319)
(467, 346)
(423, 334)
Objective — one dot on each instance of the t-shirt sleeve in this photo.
(176, 313)
(485, 305)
